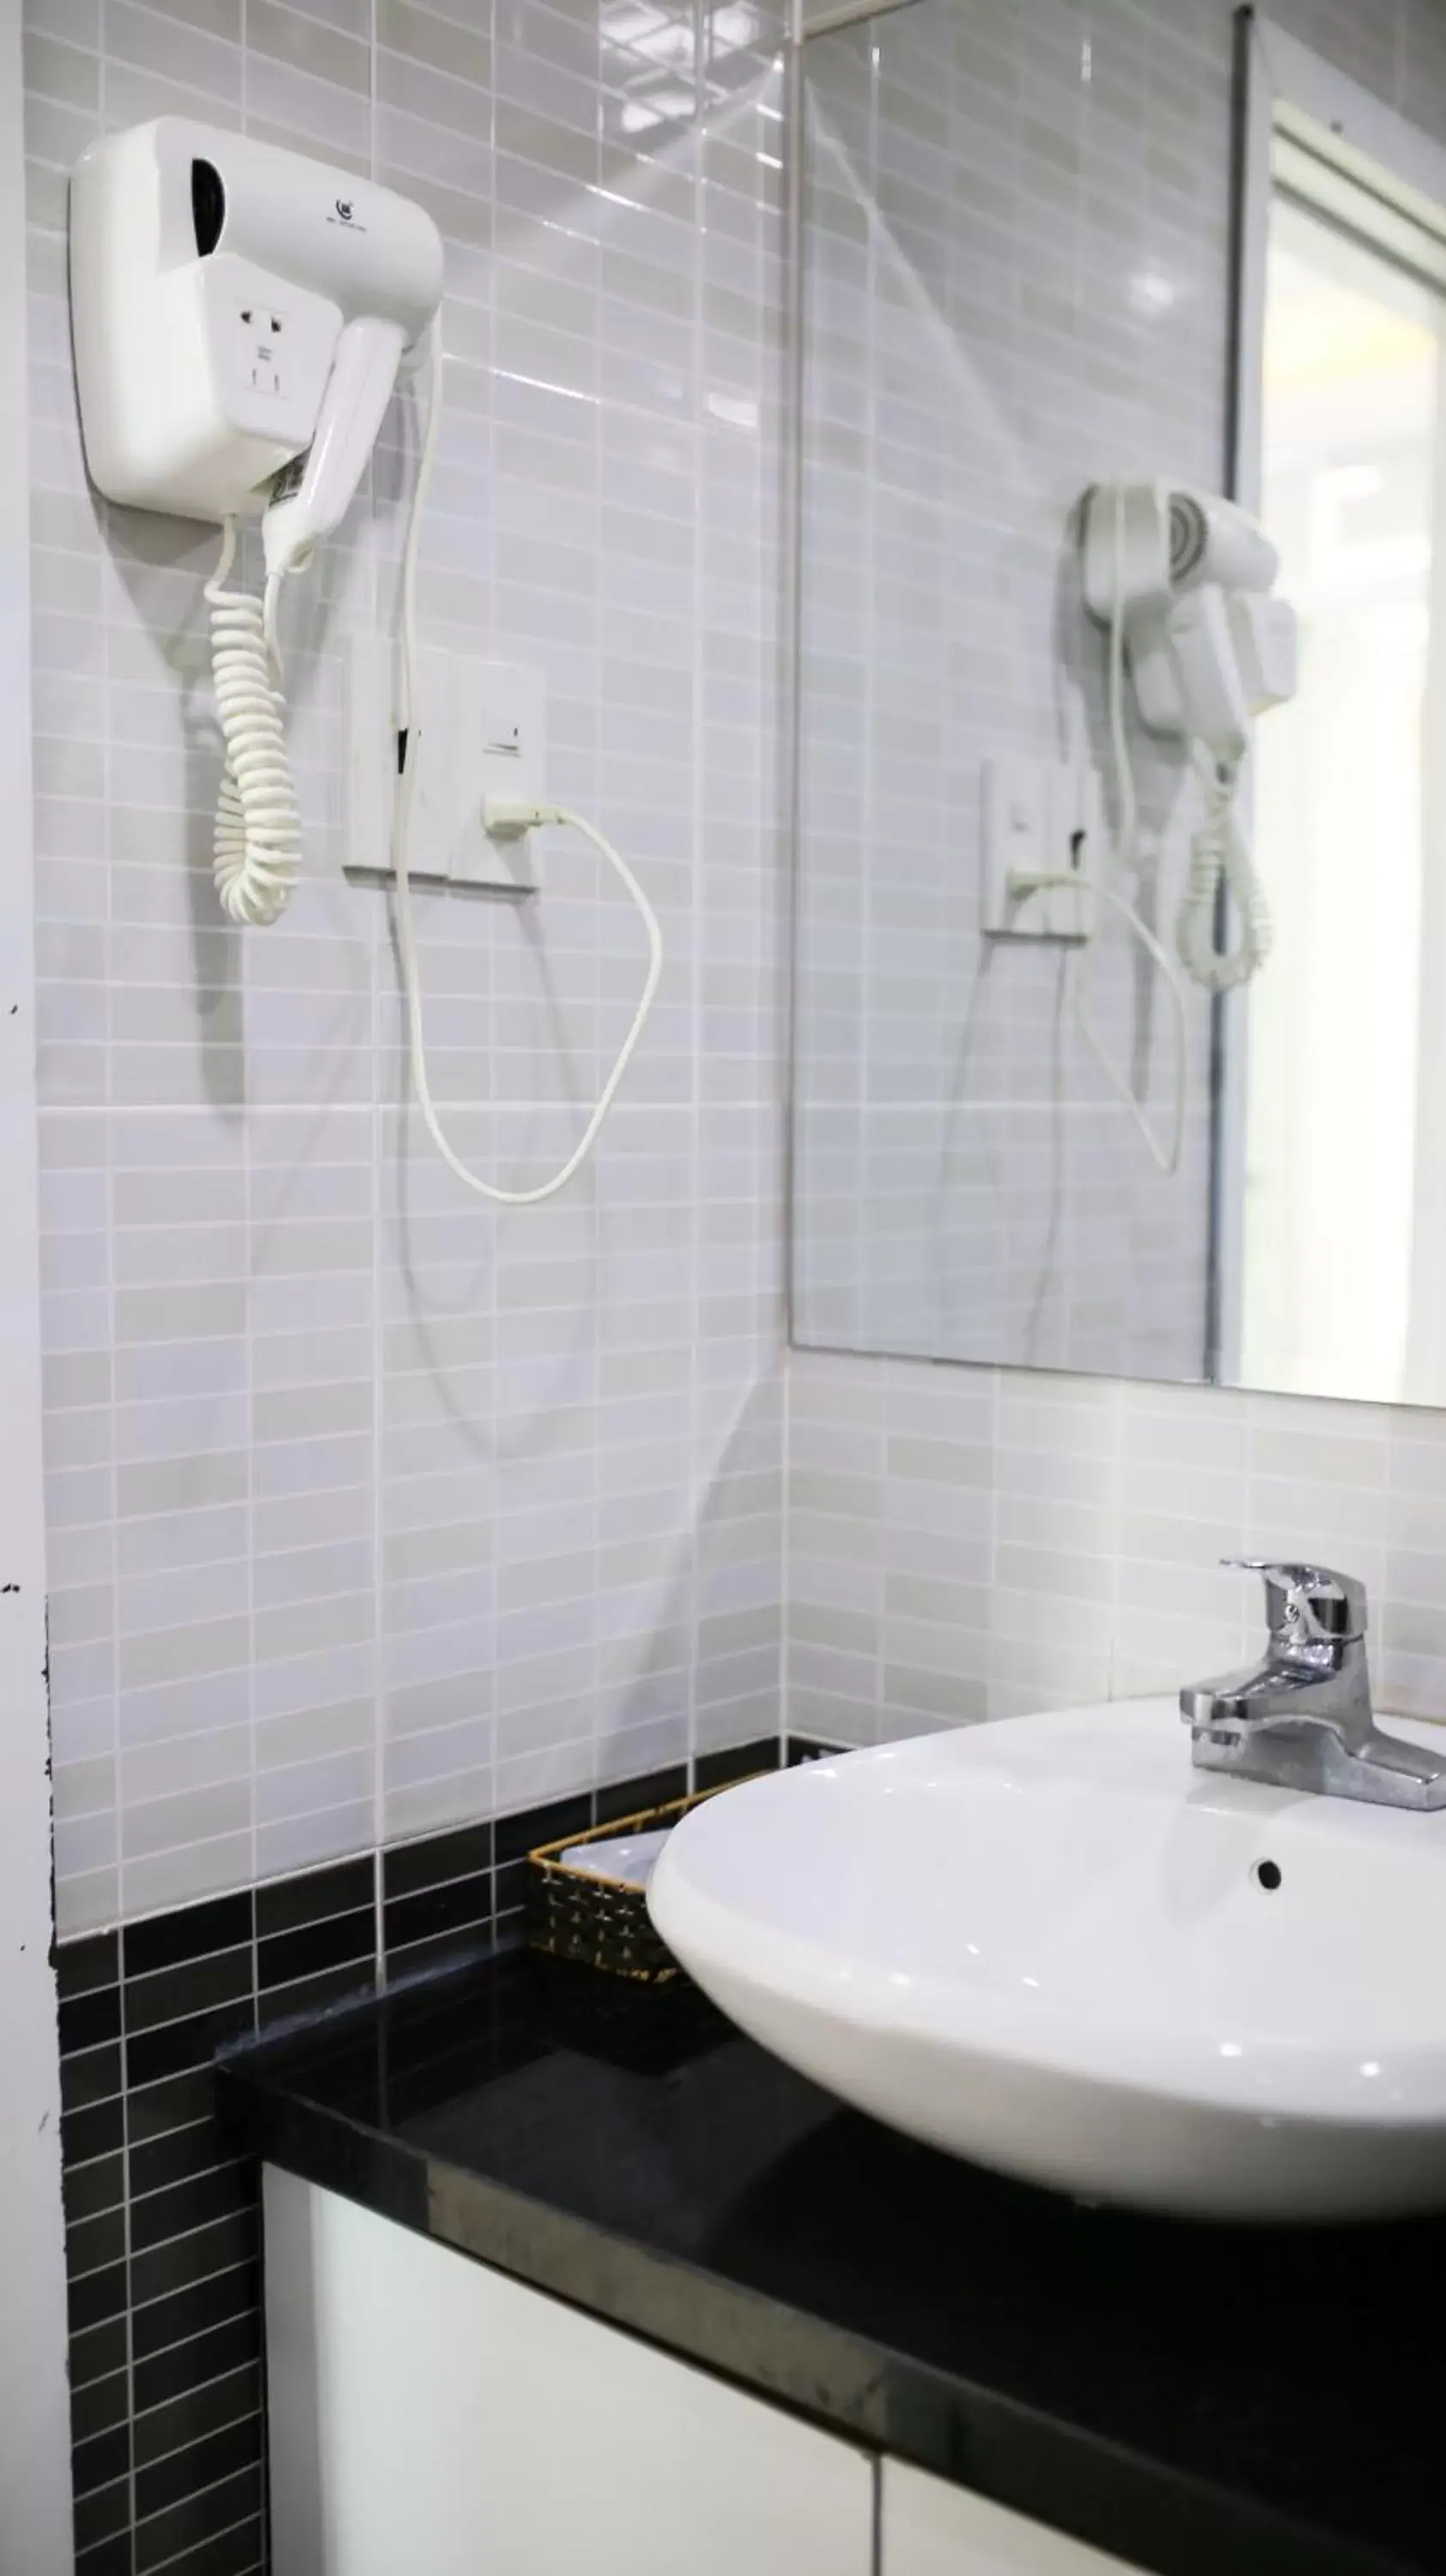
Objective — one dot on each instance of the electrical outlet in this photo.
(260, 334)
(1012, 841)
(477, 732)
(1039, 818)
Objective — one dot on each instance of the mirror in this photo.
(1121, 911)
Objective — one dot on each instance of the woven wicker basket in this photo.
(572, 1914)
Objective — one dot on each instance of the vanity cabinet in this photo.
(429, 2413)
(929, 2528)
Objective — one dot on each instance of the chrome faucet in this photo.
(1301, 1718)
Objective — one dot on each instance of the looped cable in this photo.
(499, 817)
(257, 846)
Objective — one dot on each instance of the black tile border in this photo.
(163, 2223)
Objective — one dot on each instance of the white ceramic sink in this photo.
(1050, 1945)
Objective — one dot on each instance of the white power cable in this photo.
(1218, 855)
(257, 845)
(501, 817)
(1024, 882)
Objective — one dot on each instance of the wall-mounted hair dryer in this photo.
(1182, 581)
(240, 317)
(236, 306)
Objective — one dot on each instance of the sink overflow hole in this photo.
(1266, 1873)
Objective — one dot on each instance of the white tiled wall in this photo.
(370, 1510)
(969, 1543)
(965, 1542)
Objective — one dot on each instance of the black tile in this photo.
(200, 2465)
(735, 1762)
(185, 2206)
(101, 2517)
(180, 2261)
(99, 2405)
(808, 1748)
(313, 1994)
(197, 2518)
(446, 1949)
(459, 1906)
(310, 1948)
(93, 1961)
(88, 2020)
(651, 1789)
(95, 2353)
(241, 2551)
(348, 1887)
(101, 2459)
(93, 2244)
(190, 1932)
(110, 2558)
(96, 2132)
(196, 1986)
(95, 2077)
(97, 2298)
(177, 2102)
(88, 2189)
(437, 1857)
(156, 2163)
(188, 2313)
(198, 2412)
(226, 2346)
(509, 1888)
(181, 2044)
(515, 1836)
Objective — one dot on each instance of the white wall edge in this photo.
(35, 2515)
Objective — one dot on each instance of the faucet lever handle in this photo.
(1308, 1605)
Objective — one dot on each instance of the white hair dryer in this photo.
(1182, 580)
(236, 306)
(240, 314)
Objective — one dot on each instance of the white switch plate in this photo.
(478, 732)
(1032, 810)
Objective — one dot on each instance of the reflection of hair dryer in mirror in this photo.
(240, 316)
(1183, 582)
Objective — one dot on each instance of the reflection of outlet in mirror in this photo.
(1038, 818)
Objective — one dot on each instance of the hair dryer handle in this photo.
(358, 390)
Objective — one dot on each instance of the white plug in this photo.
(506, 818)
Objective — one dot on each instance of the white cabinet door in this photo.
(933, 2529)
(430, 2417)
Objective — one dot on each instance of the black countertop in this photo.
(1199, 2400)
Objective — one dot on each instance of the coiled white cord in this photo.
(257, 846)
(499, 817)
(1219, 856)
